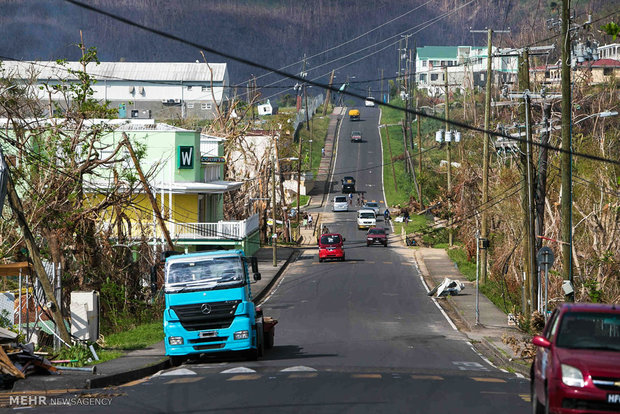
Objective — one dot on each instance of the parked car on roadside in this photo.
(576, 368)
(331, 246)
(376, 235)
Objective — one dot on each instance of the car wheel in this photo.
(320, 260)
(367, 244)
(385, 245)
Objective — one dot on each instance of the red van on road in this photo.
(331, 247)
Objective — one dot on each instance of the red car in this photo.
(376, 235)
(331, 247)
(577, 364)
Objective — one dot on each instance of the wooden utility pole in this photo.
(524, 149)
(328, 93)
(299, 148)
(484, 231)
(566, 158)
(148, 192)
(381, 97)
(35, 256)
(447, 126)
(387, 136)
(419, 132)
(541, 184)
(274, 235)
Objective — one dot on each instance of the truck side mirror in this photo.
(257, 276)
(254, 264)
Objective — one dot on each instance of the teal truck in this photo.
(209, 306)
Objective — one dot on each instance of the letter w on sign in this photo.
(186, 157)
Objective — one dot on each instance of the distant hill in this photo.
(274, 33)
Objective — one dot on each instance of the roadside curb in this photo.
(490, 351)
(261, 295)
(127, 376)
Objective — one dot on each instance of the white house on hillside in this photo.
(160, 90)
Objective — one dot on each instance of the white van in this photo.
(340, 204)
(366, 218)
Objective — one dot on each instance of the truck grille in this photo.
(211, 346)
(219, 316)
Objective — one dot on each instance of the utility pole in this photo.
(484, 231)
(148, 192)
(381, 98)
(527, 190)
(566, 158)
(299, 179)
(418, 129)
(447, 127)
(273, 214)
(328, 94)
(35, 255)
(541, 184)
(303, 75)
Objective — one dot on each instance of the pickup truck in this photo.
(209, 306)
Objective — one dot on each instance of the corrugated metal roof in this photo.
(437, 52)
(135, 71)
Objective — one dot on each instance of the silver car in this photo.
(340, 204)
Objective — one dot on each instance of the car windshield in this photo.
(205, 273)
(356, 133)
(349, 180)
(376, 231)
(372, 205)
(590, 330)
(340, 199)
(331, 239)
(368, 214)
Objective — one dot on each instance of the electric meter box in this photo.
(85, 315)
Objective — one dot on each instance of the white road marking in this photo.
(237, 370)
(181, 371)
(470, 366)
(483, 357)
(298, 368)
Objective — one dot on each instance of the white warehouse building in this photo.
(160, 90)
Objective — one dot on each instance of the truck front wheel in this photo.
(176, 360)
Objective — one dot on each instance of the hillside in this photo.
(274, 33)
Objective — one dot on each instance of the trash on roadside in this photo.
(17, 361)
(447, 287)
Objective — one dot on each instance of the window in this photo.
(135, 113)
(204, 88)
(434, 76)
(607, 71)
(204, 107)
(424, 63)
(482, 76)
(190, 106)
(423, 78)
(189, 88)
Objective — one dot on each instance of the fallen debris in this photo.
(447, 287)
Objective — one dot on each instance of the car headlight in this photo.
(175, 340)
(572, 376)
(241, 335)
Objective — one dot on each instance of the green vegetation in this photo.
(303, 199)
(317, 132)
(139, 337)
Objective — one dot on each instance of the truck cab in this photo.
(354, 114)
(209, 305)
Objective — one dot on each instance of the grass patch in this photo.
(137, 338)
(467, 268)
(303, 199)
(317, 132)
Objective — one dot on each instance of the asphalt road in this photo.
(354, 336)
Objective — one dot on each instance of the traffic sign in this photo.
(545, 257)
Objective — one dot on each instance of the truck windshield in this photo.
(205, 273)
